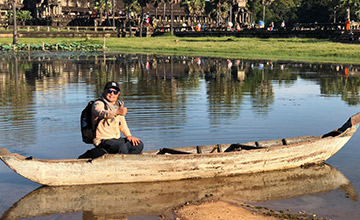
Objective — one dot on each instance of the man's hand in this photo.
(135, 141)
(122, 110)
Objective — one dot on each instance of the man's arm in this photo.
(100, 112)
(126, 131)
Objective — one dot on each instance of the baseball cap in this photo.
(113, 85)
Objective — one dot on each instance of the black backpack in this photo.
(86, 123)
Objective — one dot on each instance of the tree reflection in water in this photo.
(164, 80)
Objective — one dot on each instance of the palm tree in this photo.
(355, 4)
(164, 1)
(195, 8)
(14, 17)
(142, 4)
(103, 6)
(264, 3)
(220, 10)
(131, 6)
(156, 6)
(113, 11)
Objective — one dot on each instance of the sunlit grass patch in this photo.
(295, 49)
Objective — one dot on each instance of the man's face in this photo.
(112, 94)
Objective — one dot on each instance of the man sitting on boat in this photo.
(109, 115)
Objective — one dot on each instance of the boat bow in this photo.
(4, 152)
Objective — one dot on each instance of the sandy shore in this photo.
(223, 209)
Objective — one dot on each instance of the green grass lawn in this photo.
(291, 49)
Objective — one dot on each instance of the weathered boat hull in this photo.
(152, 198)
(147, 167)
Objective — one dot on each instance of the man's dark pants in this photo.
(121, 146)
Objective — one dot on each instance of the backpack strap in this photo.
(105, 105)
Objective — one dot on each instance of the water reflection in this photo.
(122, 200)
(162, 86)
(172, 73)
(15, 96)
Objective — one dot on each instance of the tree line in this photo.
(277, 11)
(304, 11)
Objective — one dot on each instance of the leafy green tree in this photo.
(194, 7)
(324, 11)
(255, 6)
(312, 11)
(259, 8)
(282, 10)
(30, 5)
(102, 6)
(23, 16)
(220, 10)
(132, 7)
(352, 5)
(9, 17)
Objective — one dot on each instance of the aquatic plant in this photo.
(73, 46)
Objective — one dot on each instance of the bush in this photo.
(74, 46)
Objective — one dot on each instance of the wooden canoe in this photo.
(97, 201)
(186, 162)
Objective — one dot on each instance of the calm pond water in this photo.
(178, 101)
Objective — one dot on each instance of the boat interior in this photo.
(223, 148)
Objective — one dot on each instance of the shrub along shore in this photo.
(274, 49)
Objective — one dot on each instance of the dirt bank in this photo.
(223, 209)
(215, 209)
(218, 210)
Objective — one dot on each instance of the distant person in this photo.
(347, 25)
(237, 27)
(261, 24)
(109, 115)
(184, 27)
(283, 25)
(198, 27)
(271, 28)
(230, 25)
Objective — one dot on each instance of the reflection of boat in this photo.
(120, 200)
(184, 163)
